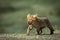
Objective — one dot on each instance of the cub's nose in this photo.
(29, 22)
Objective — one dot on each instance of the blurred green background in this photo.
(13, 13)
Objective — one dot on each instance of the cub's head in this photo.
(31, 18)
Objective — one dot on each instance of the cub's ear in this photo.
(35, 15)
(28, 15)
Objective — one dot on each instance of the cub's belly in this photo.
(38, 25)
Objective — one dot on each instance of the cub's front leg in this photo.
(29, 29)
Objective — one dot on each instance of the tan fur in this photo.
(39, 23)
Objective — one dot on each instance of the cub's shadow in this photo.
(45, 34)
(51, 34)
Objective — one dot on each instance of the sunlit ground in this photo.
(30, 37)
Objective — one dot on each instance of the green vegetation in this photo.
(13, 14)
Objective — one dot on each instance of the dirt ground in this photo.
(55, 36)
